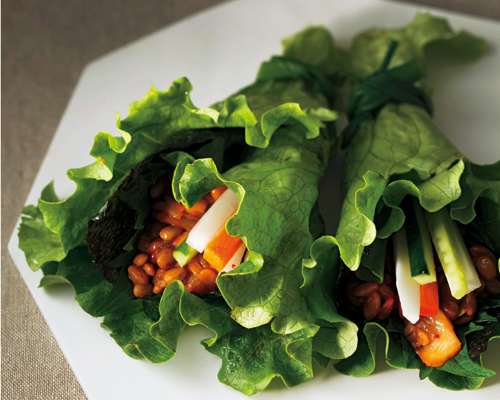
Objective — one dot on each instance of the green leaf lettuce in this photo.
(285, 121)
(398, 151)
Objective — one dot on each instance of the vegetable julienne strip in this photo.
(221, 249)
(429, 299)
(408, 287)
(420, 252)
(460, 272)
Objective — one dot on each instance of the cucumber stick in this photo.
(454, 256)
(184, 253)
(420, 250)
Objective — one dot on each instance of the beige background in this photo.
(44, 49)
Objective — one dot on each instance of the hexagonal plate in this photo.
(220, 51)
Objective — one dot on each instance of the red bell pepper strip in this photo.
(429, 299)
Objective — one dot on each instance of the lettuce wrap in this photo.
(396, 153)
(269, 143)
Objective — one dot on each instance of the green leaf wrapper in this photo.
(398, 151)
(415, 41)
(285, 121)
(433, 171)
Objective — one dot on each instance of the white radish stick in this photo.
(408, 288)
(213, 220)
(236, 259)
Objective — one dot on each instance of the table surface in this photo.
(44, 50)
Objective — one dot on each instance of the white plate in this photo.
(220, 51)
